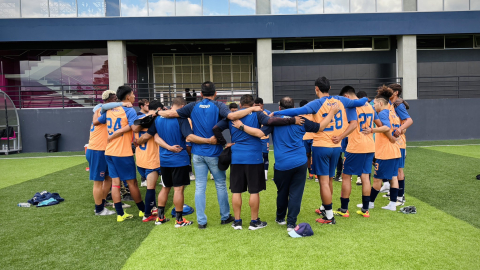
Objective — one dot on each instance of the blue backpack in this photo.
(187, 210)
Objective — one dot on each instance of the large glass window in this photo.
(328, 43)
(389, 6)
(284, 7)
(362, 6)
(458, 41)
(453, 5)
(310, 6)
(63, 8)
(277, 44)
(134, 8)
(91, 8)
(34, 8)
(430, 42)
(9, 8)
(298, 44)
(474, 4)
(430, 5)
(215, 7)
(242, 7)
(161, 7)
(336, 6)
(357, 42)
(188, 8)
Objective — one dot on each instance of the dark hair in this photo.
(347, 90)
(123, 91)
(246, 100)
(361, 94)
(233, 106)
(396, 88)
(208, 89)
(323, 84)
(384, 92)
(110, 99)
(287, 103)
(154, 105)
(142, 102)
(187, 89)
(179, 101)
(258, 100)
(303, 103)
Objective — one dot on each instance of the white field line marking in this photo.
(436, 145)
(45, 157)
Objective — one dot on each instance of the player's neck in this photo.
(393, 99)
(321, 95)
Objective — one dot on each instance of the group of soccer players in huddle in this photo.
(309, 137)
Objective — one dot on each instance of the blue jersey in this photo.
(288, 144)
(247, 149)
(173, 131)
(205, 115)
(266, 139)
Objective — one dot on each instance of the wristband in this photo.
(242, 127)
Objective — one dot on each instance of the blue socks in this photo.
(141, 206)
(344, 202)
(119, 209)
(393, 194)
(401, 188)
(99, 208)
(149, 202)
(365, 202)
(373, 195)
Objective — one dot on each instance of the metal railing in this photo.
(305, 89)
(448, 87)
(166, 92)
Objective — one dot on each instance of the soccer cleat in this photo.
(385, 188)
(361, 213)
(183, 223)
(141, 214)
(124, 205)
(339, 212)
(400, 201)
(230, 219)
(316, 179)
(371, 205)
(124, 217)
(211, 177)
(109, 204)
(338, 178)
(291, 227)
(359, 181)
(144, 183)
(150, 218)
(281, 221)
(154, 211)
(386, 195)
(320, 212)
(192, 176)
(390, 207)
(237, 225)
(159, 221)
(105, 212)
(257, 225)
(202, 227)
(325, 220)
(310, 176)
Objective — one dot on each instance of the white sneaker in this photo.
(161, 182)
(391, 207)
(144, 183)
(385, 188)
(211, 177)
(316, 180)
(386, 195)
(400, 201)
(124, 205)
(371, 205)
(192, 176)
(105, 212)
(359, 181)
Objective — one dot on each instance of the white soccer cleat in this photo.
(144, 183)
(371, 205)
(211, 177)
(105, 212)
(390, 207)
(385, 188)
(400, 201)
(192, 177)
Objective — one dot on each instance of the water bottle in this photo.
(23, 205)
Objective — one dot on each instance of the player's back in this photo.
(247, 148)
(336, 127)
(147, 154)
(98, 135)
(357, 141)
(116, 119)
(384, 149)
(289, 150)
(169, 129)
(205, 115)
(308, 135)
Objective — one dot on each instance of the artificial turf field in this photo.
(440, 182)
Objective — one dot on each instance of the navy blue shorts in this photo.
(308, 146)
(97, 164)
(145, 172)
(402, 159)
(386, 169)
(265, 146)
(121, 167)
(357, 164)
(325, 160)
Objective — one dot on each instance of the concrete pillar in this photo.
(117, 63)
(264, 69)
(407, 65)
(263, 7)
(409, 5)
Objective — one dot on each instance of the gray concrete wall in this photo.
(434, 119)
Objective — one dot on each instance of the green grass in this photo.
(429, 143)
(444, 234)
(41, 154)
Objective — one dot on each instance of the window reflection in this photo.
(453, 5)
(215, 7)
(161, 7)
(91, 8)
(9, 8)
(362, 6)
(284, 7)
(189, 8)
(242, 7)
(430, 5)
(336, 6)
(34, 8)
(389, 6)
(134, 8)
(310, 6)
(63, 8)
